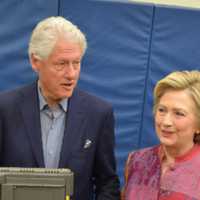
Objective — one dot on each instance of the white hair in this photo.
(48, 31)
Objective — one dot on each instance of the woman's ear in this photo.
(197, 132)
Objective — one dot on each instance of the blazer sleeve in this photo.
(105, 177)
(1, 139)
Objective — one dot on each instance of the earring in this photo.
(197, 132)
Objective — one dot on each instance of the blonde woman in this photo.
(170, 171)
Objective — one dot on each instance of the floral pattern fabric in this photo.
(144, 182)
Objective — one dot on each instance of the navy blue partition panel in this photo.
(174, 46)
(130, 47)
(17, 19)
(115, 65)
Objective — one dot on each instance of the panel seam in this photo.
(146, 77)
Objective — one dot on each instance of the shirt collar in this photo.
(43, 104)
(188, 155)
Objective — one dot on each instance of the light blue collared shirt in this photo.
(52, 128)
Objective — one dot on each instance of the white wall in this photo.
(184, 3)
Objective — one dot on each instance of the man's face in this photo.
(59, 73)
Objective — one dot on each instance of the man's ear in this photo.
(35, 62)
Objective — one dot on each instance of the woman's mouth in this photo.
(167, 133)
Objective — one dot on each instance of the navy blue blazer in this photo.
(88, 119)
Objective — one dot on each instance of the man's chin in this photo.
(67, 94)
(64, 94)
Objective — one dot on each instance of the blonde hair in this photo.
(180, 80)
(48, 31)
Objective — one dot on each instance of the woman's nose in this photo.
(167, 120)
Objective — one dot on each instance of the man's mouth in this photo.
(67, 85)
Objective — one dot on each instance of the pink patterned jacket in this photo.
(144, 182)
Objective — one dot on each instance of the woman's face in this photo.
(175, 120)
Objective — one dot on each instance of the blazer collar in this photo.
(29, 105)
(75, 121)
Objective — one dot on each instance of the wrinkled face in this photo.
(59, 73)
(175, 120)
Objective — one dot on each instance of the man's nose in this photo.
(69, 70)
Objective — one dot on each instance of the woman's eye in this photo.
(161, 110)
(179, 114)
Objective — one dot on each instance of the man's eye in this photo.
(76, 62)
(61, 63)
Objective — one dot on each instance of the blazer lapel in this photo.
(73, 127)
(29, 105)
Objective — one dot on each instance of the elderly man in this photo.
(51, 123)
